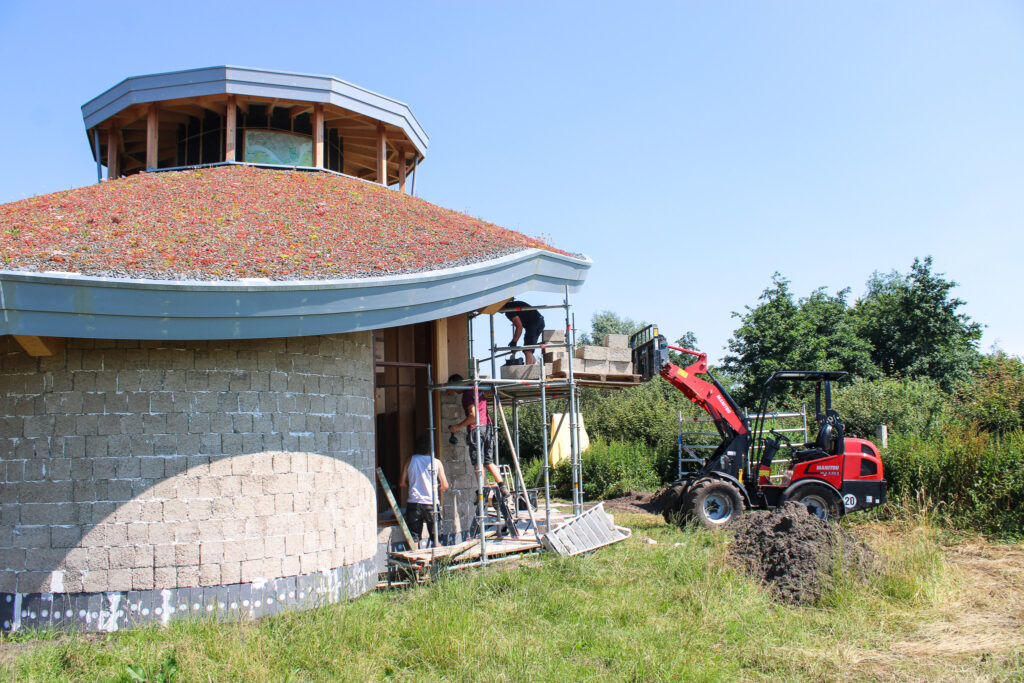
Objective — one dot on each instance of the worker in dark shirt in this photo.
(529, 322)
(477, 419)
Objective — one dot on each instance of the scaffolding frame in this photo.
(474, 550)
(517, 393)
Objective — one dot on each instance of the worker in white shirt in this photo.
(424, 476)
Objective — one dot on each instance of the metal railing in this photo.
(752, 418)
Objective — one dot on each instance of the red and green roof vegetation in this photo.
(233, 222)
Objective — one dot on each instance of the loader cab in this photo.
(831, 432)
(833, 473)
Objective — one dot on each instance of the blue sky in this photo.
(691, 149)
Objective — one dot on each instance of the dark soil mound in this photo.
(635, 501)
(638, 501)
(795, 552)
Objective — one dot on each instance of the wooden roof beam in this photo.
(40, 346)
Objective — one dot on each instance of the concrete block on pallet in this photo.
(620, 367)
(620, 355)
(592, 352)
(525, 371)
(616, 341)
(553, 336)
(552, 356)
(594, 367)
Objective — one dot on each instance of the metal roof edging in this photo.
(71, 305)
(235, 80)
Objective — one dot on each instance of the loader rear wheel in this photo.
(672, 502)
(820, 502)
(713, 503)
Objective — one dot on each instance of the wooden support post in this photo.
(318, 135)
(401, 168)
(40, 346)
(113, 168)
(439, 363)
(152, 137)
(382, 156)
(230, 130)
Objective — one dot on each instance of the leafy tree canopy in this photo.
(914, 327)
(818, 332)
(608, 322)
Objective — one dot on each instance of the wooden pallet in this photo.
(467, 551)
(601, 377)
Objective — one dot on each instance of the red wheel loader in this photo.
(832, 475)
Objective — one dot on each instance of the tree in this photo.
(780, 333)
(607, 322)
(914, 327)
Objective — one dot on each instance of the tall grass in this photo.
(610, 469)
(962, 476)
(673, 609)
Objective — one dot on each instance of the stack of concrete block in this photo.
(525, 371)
(614, 358)
(550, 357)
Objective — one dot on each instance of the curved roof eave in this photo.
(72, 305)
(237, 80)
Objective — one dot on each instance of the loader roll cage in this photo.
(830, 427)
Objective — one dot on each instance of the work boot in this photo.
(503, 492)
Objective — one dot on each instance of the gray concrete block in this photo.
(616, 341)
(527, 372)
(592, 353)
(553, 336)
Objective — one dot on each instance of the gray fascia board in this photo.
(69, 305)
(234, 80)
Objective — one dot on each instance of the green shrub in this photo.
(994, 396)
(907, 406)
(610, 469)
(968, 478)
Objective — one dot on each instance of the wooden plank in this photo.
(406, 396)
(439, 370)
(493, 308)
(230, 130)
(40, 346)
(318, 135)
(113, 169)
(152, 136)
(382, 156)
(458, 354)
(394, 507)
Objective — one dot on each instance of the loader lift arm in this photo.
(710, 396)
(650, 358)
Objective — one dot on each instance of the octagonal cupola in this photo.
(228, 114)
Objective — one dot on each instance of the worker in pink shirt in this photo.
(477, 420)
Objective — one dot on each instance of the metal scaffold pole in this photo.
(494, 388)
(481, 504)
(679, 449)
(547, 452)
(574, 452)
(434, 495)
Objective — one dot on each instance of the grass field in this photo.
(673, 609)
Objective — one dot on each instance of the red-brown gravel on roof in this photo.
(232, 222)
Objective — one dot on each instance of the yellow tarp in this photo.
(560, 442)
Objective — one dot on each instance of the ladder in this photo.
(501, 505)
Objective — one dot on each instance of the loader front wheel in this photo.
(713, 503)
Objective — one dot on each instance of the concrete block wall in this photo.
(460, 501)
(133, 466)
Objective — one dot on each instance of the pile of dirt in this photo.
(795, 553)
(637, 501)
